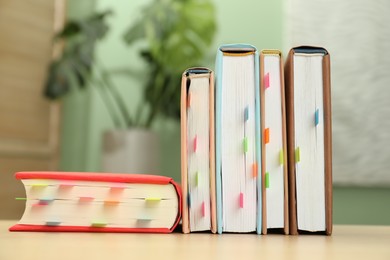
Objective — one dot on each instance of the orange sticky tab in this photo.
(241, 200)
(254, 168)
(111, 202)
(203, 208)
(266, 80)
(266, 135)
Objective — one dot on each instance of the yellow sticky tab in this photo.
(152, 199)
(197, 179)
(281, 157)
(98, 224)
(297, 155)
(39, 185)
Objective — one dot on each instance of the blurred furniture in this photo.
(29, 124)
(347, 242)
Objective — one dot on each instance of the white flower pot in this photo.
(131, 151)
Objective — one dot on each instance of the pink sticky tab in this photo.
(266, 80)
(85, 199)
(241, 200)
(203, 208)
(195, 143)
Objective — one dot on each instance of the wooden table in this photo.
(347, 242)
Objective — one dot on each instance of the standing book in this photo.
(198, 150)
(99, 202)
(274, 142)
(309, 131)
(238, 139)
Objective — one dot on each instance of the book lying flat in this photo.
(99, 202)
(309, 131)
(274, 142)
(238, 139)
(197, 150)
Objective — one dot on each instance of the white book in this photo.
(309, 139)
(274, 160)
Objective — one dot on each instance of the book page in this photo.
(309, 141)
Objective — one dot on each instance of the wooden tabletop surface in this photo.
(347, 242)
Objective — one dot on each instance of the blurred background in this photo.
(94, 85)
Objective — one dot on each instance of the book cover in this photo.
(99, 202)
(198, 150)
(309, 135)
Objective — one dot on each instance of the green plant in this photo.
(176, 33)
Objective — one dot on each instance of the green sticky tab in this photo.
(20, 198)
(297, 155)
(245, 144)
(267, 180)
(98, 224)
(281, 157)
(197, 179)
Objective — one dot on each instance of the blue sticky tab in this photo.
(189, 200)
(246, 114)
(53, 223)
(317, 117)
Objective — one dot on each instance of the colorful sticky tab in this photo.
(117, 187)
(197, 178)
(86, 199)
(297, 155)
(266, 135)
(203, 209)
(98, 224)
(266, 80)
(266, 180)
(111, 202)
(20, 198)
(151, 199)
(241, 200)
(317, 117)
(245, 143)
(188, 200)
(246, 114)
(65, 185)
(45, 201)
(53, 223)
(39, 185)
(195, 143)
(254, 169)
(145, 218)
(281, 157)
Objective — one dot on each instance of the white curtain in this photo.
(357, 35)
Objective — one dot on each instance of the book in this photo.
(309, 135)
(274, 142)
(198, 150)
(99, 202)
(238, 187)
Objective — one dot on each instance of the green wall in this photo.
(85, 117)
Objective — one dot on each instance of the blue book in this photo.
(238, 136)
